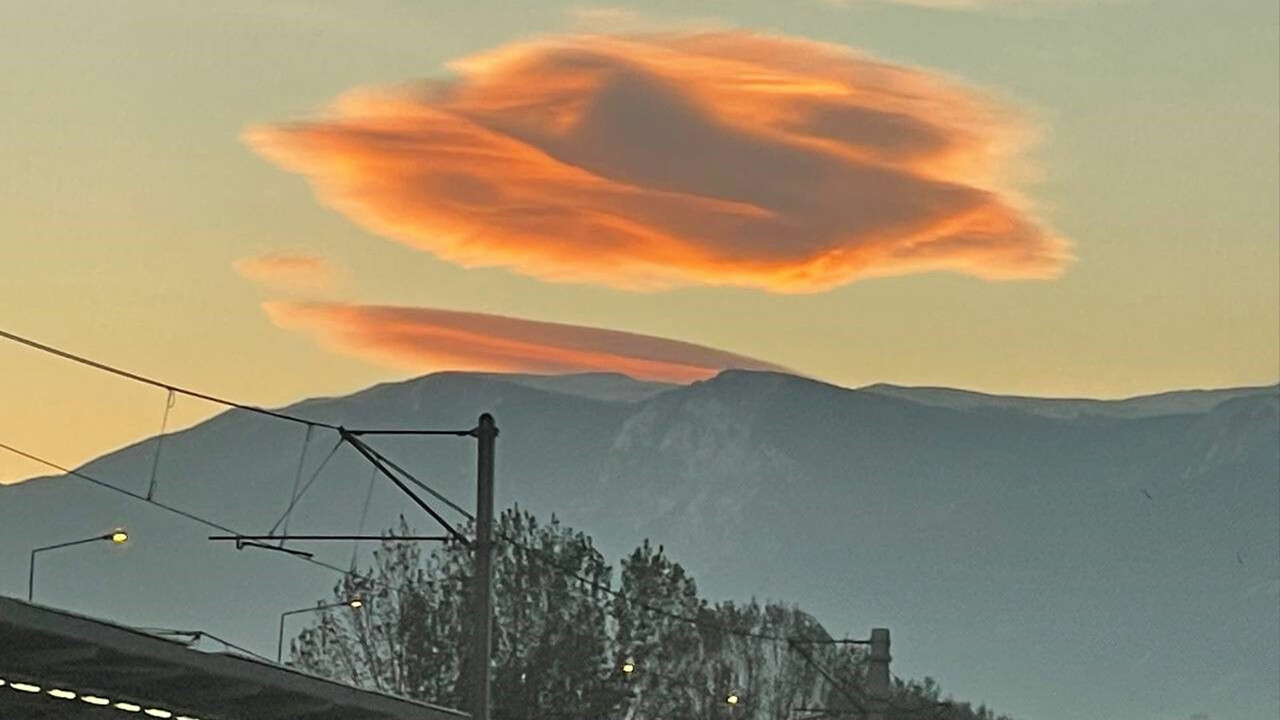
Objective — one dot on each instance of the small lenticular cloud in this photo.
(427, 340)
(290, 270)
(647, 162)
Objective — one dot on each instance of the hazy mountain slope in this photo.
(1170, 403)
(1059, 565)
(598, 386)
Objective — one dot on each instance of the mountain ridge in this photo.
(1047, 546)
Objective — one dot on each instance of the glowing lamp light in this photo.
(158, 713)
(63, 694)
(629, 666)
(128, 707)
(355, 603)
(25, 687)
(95, 700)
(733, 698)
(119, 537)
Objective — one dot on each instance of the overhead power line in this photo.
(305, 557)
(534, 552)
(156, 503)
(853, 697)
(297, 494)
(348, 435)
(170, 387)
(553, 564)
(157, 383)
(378, 460)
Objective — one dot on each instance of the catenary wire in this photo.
(155, 459)
(297, 497)
(142, 498)
(364, 515)
(297, 479)
(157, 383)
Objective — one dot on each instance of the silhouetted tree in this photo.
(562, 638)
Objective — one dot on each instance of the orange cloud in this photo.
(426, 339)
(647, 162)
(290, 269)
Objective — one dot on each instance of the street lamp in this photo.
(115, 537)
(354, 603)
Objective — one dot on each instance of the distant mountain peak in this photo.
(606, 386)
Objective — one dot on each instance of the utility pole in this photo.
(879, 690)
(486, 434)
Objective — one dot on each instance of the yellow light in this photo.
(733, 698)
(95, 700)
(24, 687)
(629, 667)
(63, 694)
(128, 707)
(158, 713)
(119, 537)
(356, 604)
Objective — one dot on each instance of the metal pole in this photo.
(879, 689)
(31, 576)
(486, 434)
(280, 639)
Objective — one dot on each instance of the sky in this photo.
(273, 201)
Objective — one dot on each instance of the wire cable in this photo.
(155, 459)
(377, 460)
(298, 496)
(142, 498)
(297, 480)
(855, 698)
(156, 383)
(198, 519)
(364, 515)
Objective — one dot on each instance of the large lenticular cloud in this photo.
(649, 162)
(427, 339)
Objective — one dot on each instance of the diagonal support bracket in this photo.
(355, 442)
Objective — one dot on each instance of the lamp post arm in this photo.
(31, 564)
(85, 541)
(299, 611)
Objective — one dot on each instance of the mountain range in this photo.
(1064, 559)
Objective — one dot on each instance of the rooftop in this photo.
(55, 664)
